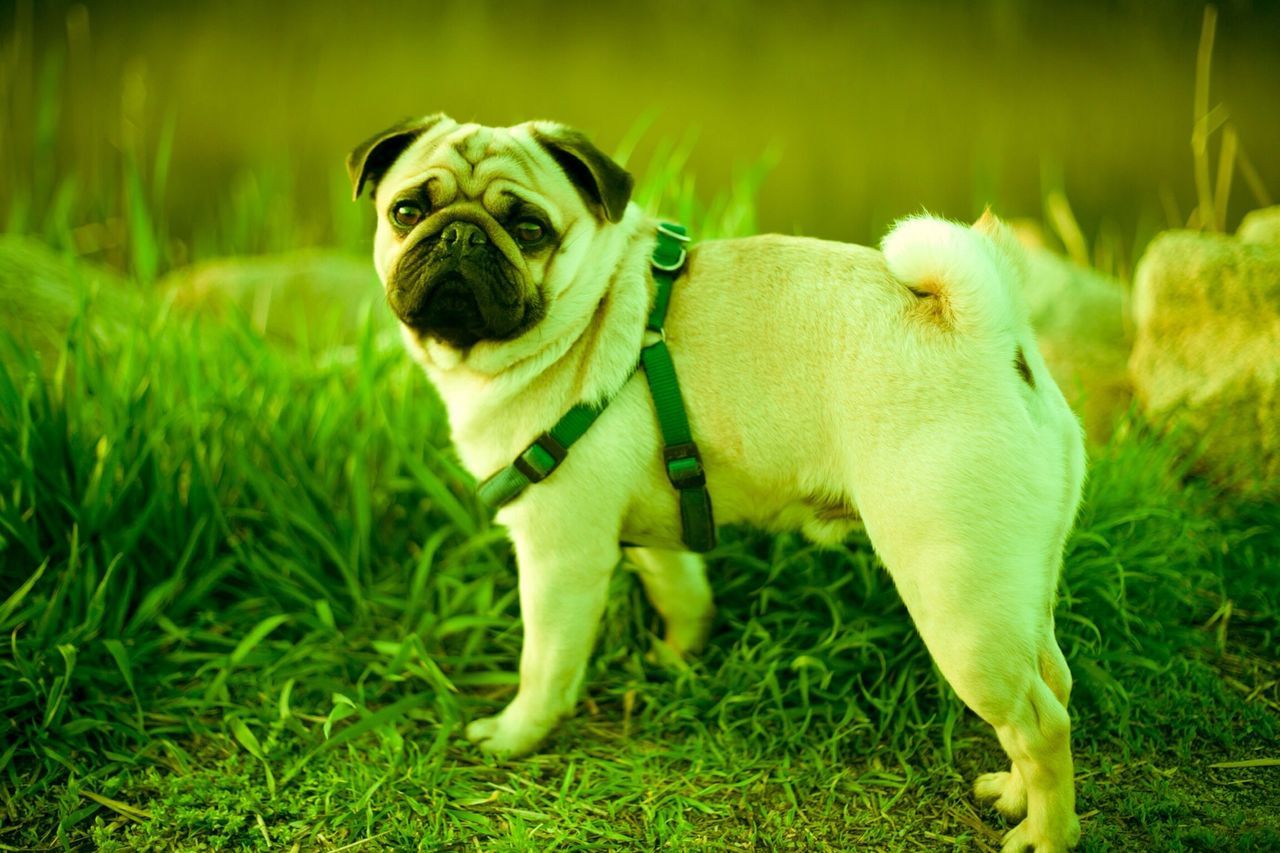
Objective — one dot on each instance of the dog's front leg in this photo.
(676, 584)
(562, 595)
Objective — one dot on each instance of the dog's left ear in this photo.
(369, 160)
(604, 185)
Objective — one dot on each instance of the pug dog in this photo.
(827, 385)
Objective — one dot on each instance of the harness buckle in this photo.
(669, 254)
(669, 266)
(684, 466)
(541, 458)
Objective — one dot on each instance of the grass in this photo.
(249, 602)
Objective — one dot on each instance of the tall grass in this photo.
(203, 536)
(239, 577)
(188, 494)
(1214, 194)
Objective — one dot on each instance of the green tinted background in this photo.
(865, 111)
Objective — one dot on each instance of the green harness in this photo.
(680, 452)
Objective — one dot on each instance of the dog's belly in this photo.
(823, 519)
(824, 516)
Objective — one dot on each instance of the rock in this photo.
(1206, 360)
(1261, 226)
(43, 291)
(316, 296)
(1081, 318)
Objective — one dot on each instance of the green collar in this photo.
(683, 462)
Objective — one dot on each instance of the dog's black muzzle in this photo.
(457, 286)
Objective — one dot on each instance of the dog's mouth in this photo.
(456, 312)
(461, 291)
(448, 310)
(449, 303)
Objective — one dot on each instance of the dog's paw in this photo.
(683, 640)
(686, 637)
(663, 654)
(506, 735)
(1042, 839)
(1007, 789)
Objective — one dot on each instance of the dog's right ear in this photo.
(369, 160)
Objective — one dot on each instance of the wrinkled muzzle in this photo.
(456, 285)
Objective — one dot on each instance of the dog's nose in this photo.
(463, 235)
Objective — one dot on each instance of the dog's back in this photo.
(923, 350)
(830, 382)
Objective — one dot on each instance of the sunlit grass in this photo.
(249, 582)
(248, 599)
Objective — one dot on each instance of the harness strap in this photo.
(680, 454)
(539, 459)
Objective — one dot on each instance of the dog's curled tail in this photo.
(964, 279)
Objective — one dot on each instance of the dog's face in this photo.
(481, 231)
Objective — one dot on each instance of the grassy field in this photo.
(249, 602)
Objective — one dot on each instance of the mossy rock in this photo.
(1261, 226)
(316, 297)
(1206, 360)
(42, 292)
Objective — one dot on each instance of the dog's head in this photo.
(482, 230)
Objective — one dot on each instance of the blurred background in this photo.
(225, 124)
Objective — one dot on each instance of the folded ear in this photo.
(604, 185)
(369, 161)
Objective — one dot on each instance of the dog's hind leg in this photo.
(1036, 733)
(676, 585)
(1008, 789)
(984, 614)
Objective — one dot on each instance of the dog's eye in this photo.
(527, 231)
(406, 214)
